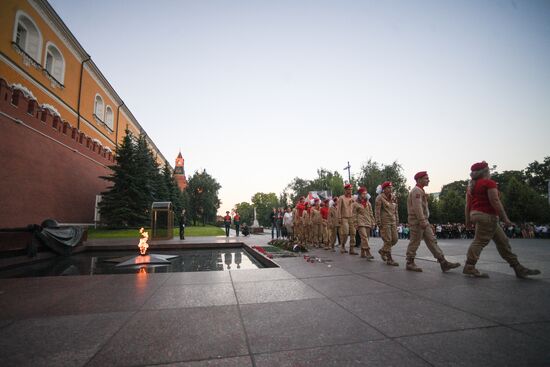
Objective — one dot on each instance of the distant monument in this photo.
(256, 226)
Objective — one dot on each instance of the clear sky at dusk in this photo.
(258, 92)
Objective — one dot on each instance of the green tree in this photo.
(373, 174)
(264, 203)
(524, 204)
(246, 211)
(503, 178)
(325, 180)
(148, 179)
(459, 187)
(435, 211)
(202, 191)
(332, 182)
(538, 175)
(116, 208)
(451, 207)
(298, 187)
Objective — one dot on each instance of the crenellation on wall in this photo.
(59, 129)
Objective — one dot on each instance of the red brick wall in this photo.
(39, 177)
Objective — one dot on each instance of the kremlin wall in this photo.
(60, 120)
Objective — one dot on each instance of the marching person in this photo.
(333, 225)
(227, 223)
(237, 222)
(364, 220)
(420, 228)
(484, 210)
(316, 220)
(298, 223)
(325, 211)
(345, 218)
(387, 218)
(306, 223)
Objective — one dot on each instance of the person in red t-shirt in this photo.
(298, 223)
(324, 223)
(484, 209)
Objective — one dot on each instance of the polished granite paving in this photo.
(342, 311)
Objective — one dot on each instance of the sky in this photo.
(259, 92)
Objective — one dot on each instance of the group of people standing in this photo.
(319, 224)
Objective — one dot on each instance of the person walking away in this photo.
(364, 220)
(387, 218)
(484, 210)
(420, 228)
(227, 223)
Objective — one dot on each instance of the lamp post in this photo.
(348, 168)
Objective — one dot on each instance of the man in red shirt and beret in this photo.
(420, 228)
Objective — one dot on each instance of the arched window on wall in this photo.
(54, 63)
(27, 36)
(109, 117)
(98, 107)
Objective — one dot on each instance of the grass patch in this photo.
(198, 231)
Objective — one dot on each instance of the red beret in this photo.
(420, 175)
(479, 166)
(326, 201)
(362, 189)
(302, 198)
(386, 184)
(316, 200)
(347, 186)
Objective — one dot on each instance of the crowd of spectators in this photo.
(459, 231)
(280, 217)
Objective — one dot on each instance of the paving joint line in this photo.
(246, 338)
(130, 317)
